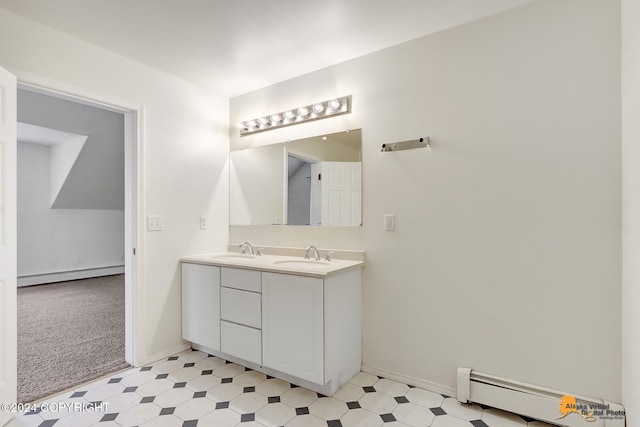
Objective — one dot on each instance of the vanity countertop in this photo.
(275, 263)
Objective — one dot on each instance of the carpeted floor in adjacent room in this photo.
(68, 333)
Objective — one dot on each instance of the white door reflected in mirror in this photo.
(340, 189)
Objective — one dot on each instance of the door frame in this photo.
(134, 195)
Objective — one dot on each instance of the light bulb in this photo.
(263, 120)
(318, 108)
(334, 104)
(303, 111)
(289, 115)
(251, 124)
(276, 118)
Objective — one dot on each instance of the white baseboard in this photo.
(417, 382)
(63, 276)
(324, 389)
(166, 353)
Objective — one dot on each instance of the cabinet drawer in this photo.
(241, 307)
(249, 280)
(241, 341)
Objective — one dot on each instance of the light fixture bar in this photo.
(316, 111)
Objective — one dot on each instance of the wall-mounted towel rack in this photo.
(406, 145)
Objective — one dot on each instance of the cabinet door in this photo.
(292, 325)
(201, 305)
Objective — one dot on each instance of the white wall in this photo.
(631, 210)
(62, 157)
(507, 252)
(185, 154)
(57, 240)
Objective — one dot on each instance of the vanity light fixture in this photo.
(316, 111)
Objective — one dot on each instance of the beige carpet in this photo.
(68, 333)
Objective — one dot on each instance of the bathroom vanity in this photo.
(291, 318)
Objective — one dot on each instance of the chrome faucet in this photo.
(243, 247)
(315, 250)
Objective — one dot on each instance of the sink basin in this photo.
(234, 256)
(300, 262)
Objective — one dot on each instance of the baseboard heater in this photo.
(537, 402)
(63, 276)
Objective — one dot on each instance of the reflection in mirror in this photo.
(301, 209)
(312, 181)
(255, 193)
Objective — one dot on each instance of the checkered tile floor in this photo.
(195, 389)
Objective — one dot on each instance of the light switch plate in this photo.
(154, 223)
(203, 223)
(389, 222)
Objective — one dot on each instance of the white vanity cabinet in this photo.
(303, 327)
(201, 304)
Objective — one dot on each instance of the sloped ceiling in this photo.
(96, 179)
(63, 153)
(234, 47)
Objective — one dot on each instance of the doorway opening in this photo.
(77, 215)
(303, 191)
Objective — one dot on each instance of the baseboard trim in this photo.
(63, 276)
(324, 389)
(168, 352)
(417, 382)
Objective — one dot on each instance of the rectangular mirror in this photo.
(311, 181)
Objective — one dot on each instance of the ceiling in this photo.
(236, 46)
